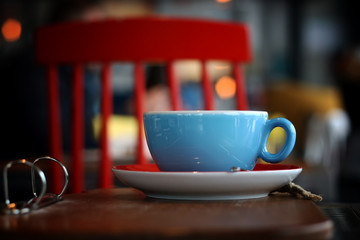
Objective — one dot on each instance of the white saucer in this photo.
(207, 185)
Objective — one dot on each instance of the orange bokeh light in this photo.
(223, 1)
(11, 30)
(225, 87)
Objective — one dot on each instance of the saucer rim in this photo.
(292, 167)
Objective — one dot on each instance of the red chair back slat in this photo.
(174, 86)
(241, 96)
(106, 180)
(209, 102)
(139, 109)
(137, 40)
(77, 173)
(55, 128)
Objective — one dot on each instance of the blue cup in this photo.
(213, 140)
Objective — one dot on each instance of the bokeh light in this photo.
(225, 87)
(11, 30)
(223, 1)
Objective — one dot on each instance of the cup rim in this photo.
(229, 112)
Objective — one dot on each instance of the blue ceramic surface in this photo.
(213, 140)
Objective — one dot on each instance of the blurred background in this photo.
(305, 67)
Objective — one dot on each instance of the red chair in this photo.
(139, 40)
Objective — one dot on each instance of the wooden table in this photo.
(124, 213)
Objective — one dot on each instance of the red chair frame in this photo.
(138, 40)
